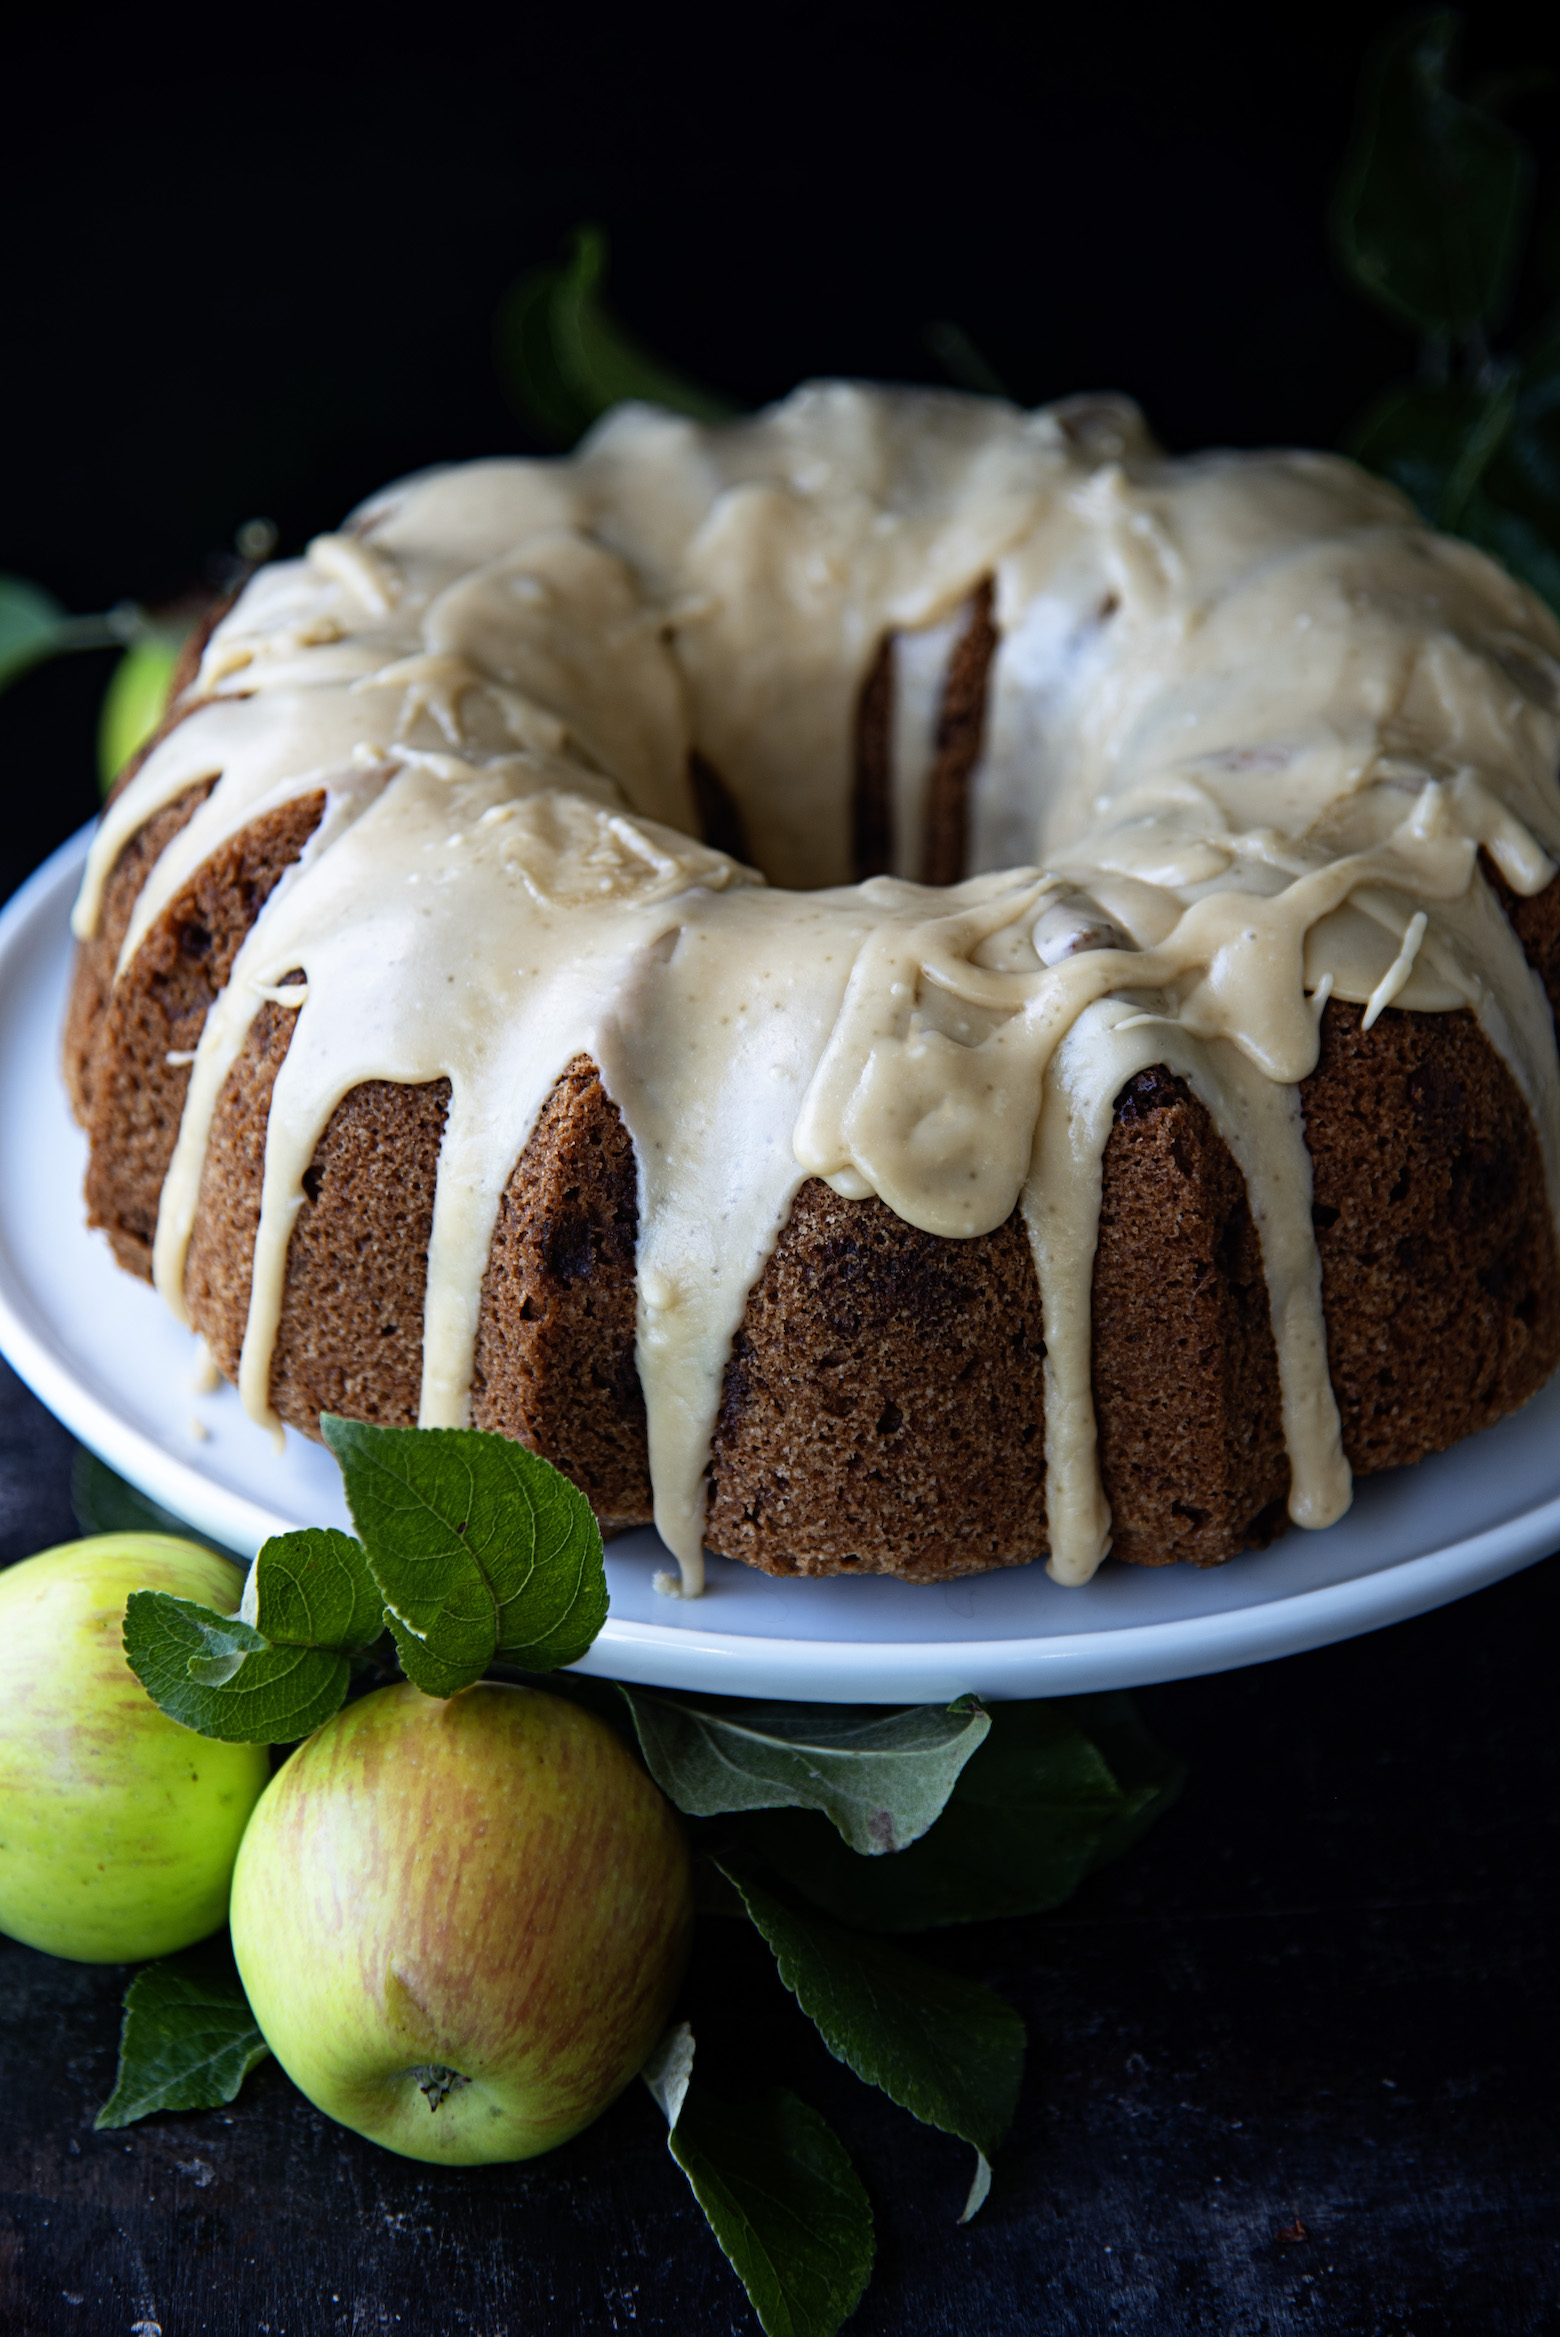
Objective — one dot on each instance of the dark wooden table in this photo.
(1321, 1998)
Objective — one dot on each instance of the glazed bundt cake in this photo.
(902, 985)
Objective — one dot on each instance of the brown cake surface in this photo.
(883, 1405)
(133, 1079)
(885, 1390)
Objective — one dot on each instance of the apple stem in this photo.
(436, 2081)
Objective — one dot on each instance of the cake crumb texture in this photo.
(158, 1008)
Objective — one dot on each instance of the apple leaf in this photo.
(669, 2069)
(1435, 190)
(425, 1667)
(227, 1643)
(1481, 458)
(882, 1778)
(564, 359)
(965, 365)
(32, 627)
(947, 2050)
(472, 1549)
(785, 2203)
(480, 1549)
(778, 2192)
(217, 1675)
(314, 1589)
(187, 2042)
(1437, 441)
(1059, 1787)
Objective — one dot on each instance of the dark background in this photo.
(1320, 1993)
(261, 283)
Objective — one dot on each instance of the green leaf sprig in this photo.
(34, 627)
(564, 359)
(482, 1551)
(948, 2050)
(275, 1679)
(777, 2190)
(1435, 189)
(995, 1813)
(1059, 1788)
(471, 1549)
(881, 1778)
(823, 1827)
(187, 2042)
(1431, 221)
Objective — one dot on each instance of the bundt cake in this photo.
(1125, 1102)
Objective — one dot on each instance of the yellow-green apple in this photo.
(118, 1828)
(461, 1924)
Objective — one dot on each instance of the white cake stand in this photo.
(104, 1354)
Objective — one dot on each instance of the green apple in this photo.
(461, 1924)
(135, 701)
(118, 1828)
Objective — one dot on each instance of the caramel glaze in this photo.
(1221, 776)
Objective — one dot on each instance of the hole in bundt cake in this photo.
(1183, 1362)
(961, 729)
(872, 820)
(720, 820)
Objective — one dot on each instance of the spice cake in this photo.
(902, 985)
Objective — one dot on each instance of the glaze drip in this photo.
(1248, 728)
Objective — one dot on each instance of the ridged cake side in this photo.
(1121, 1193)
(883, 1403)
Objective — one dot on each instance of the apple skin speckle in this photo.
(489, 1888)
(116, 1848)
